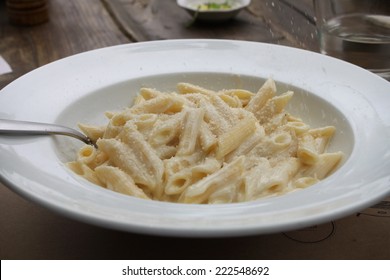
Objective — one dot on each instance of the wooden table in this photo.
(29, 231)
(77, 27)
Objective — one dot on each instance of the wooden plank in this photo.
(74, 27)
(283, 22)
(156, 20)
(295, 20)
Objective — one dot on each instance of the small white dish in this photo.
(82, 87)
(220, 14)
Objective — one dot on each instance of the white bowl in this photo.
(191, 6)
(81, 87)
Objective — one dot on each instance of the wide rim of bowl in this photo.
(204, 220)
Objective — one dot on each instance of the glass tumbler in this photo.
(357, 31)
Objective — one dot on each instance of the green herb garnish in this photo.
(214, 6)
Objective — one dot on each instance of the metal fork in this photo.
(24, 128)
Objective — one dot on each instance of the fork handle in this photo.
(20, 128)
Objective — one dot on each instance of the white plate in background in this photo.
(191, 6)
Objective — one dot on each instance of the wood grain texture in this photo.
(30, 231)
(74, 27)
(157, 20)
(284, 22)
(295, 20)
(78, 26)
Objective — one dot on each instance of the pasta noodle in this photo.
(199, 145)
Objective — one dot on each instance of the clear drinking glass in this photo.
(357, 31)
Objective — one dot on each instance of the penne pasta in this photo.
(266, 92)
(85, 171)
(166, 131)
(191, 127)
(325, 165)
(144, 154)
(231, 100)
(149, 93)
(215, 121)
(198, 145)
(207, 139)
(92, 132)
(227, 175)
(248, 144)
(124, 157)
(273, 107)
(243, 95)
(118, 181)
(298, 127)
(185, 88)
(265, 180)
(232, 139)
(322, 137)
(304, 182)
(307, 151)
(161, 104)
(224, 111)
